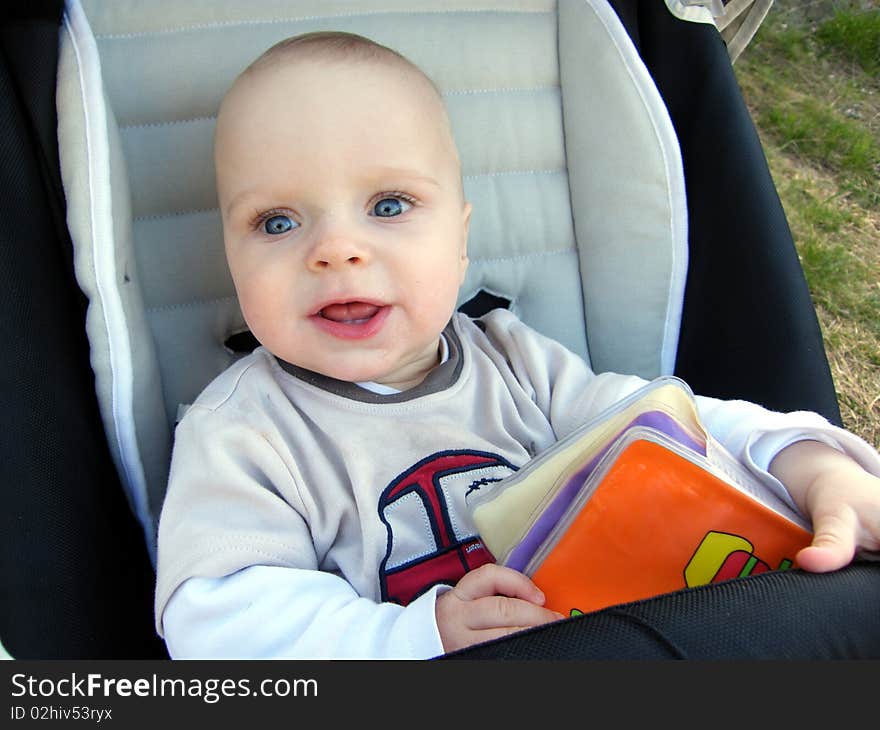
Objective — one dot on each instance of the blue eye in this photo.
(389, 207)
(279, 224)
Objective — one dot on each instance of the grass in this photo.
(855, 36)
(812, 129)
(813, 88)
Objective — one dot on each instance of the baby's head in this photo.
(344, 220)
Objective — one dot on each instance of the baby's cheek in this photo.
(260, 306)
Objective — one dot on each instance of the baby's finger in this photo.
(494, 612)
(478, 637)
(834, 541)
(493, 580)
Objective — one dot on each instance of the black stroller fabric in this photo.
(749, 329)
(77, 581)
(773, 616)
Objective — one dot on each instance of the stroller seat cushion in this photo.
(568, 154)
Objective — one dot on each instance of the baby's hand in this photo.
(489, 602)
(841, 499)
(845, 509)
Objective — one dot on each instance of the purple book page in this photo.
(522, 553)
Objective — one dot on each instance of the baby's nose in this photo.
(338, 249)
(326, 261)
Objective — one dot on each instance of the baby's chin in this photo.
(358, 367)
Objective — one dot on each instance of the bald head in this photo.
(337, 55)
(334, 46)
(319, 98)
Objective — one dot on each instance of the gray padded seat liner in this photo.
(569, 159)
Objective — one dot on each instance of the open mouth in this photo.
(352, 320)
(350, 312)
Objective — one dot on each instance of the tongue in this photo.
(349, 312)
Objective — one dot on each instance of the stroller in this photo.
(616, 178)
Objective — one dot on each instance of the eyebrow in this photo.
(392, 172)
(238, 200)
(404, 173)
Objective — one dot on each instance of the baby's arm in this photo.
(836, 485)
(267, 612)
(841, 498)
(270, 612)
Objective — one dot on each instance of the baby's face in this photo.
(343, 217)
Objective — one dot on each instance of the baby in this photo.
(316, 501)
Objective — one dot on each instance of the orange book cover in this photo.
(657, 521)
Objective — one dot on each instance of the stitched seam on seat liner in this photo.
(452, 92)
(475, 176)
(303, 18)
(194, 303)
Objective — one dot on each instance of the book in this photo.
(641, 500)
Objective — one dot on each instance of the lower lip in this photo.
(353, 330)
